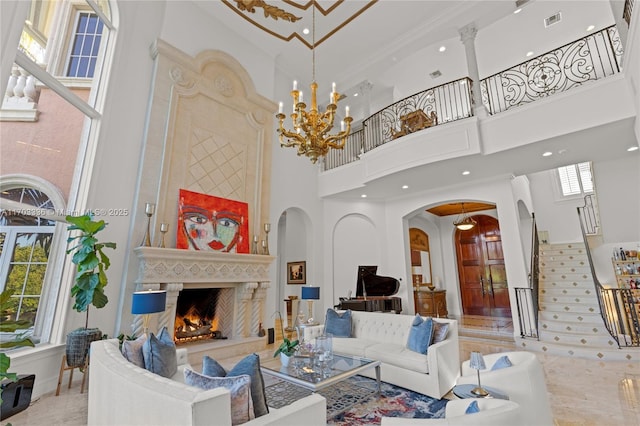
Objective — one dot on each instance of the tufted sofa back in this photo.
(386, 327)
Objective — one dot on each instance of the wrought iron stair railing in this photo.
(527, 297)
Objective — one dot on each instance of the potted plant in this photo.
(10, 326)
(287, 348)
(90, 281)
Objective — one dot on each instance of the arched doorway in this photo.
(483, 280)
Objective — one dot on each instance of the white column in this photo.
(243, 323)
(468, 36)
(259, 297)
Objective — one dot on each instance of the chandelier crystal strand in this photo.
(311, 129)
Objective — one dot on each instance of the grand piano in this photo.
(374, 293)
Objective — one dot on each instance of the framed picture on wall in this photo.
(297, 272)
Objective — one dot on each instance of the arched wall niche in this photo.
(355, 242)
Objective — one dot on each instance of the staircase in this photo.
(570, 323)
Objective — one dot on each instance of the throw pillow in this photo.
(472, 408)
(239, 386)
(502, 362)
(250, 366)
(338, 325)
(132, 350)
(440, 330)
(160, 354)
(420, 335)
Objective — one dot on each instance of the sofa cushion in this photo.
(351, 346)
(239, 386)
(502, 362)
(397, 355)
(132, 350)
(338, 324)
(250, 366)
(440, 330)
(160, 354)
(420, 335)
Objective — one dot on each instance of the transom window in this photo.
(85, 45)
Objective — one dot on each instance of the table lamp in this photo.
(310, 294)
(476, 361)
(146, 303)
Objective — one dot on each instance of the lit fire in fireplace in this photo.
(191, 327)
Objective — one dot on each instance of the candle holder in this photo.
(149, 209)
(254, 246)
(164, 227)
(265, 242)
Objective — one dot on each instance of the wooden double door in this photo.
(483, 278)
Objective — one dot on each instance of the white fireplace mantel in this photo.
(167, 265)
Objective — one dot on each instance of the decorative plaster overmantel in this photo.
(167, 265)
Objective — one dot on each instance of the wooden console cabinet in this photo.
(431, 303)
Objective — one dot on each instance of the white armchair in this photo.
(493, 412)
(523, 382)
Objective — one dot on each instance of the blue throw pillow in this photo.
(338, 325)
(472, 408)
(250, 366)
(502, 362)
(159, 354)
(420, 335)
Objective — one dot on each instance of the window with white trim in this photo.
(85, 45)
(575, 179)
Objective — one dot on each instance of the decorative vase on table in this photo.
(284, 359)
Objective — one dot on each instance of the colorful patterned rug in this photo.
(353, 402)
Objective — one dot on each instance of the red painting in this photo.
(211, 223)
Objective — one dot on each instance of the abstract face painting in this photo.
(210, 223)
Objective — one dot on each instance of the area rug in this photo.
(353, 402)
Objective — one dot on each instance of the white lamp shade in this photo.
(476, 361)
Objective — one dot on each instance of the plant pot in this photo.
(284, 359)
(78, 343)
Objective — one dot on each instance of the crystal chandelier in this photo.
(311, 128)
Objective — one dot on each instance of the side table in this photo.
(464, 391)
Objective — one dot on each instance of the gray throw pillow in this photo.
(249, 365)
(239, 387)
(160, 354)
(420, 335)
(440, 330)
(338, 325)
(132, 350)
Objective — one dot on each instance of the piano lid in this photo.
(371, 284)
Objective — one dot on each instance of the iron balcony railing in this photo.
(527, 298)
(593, 57)
(617, 305)
(431, 107)
(628, 10)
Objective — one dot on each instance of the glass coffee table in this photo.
(328, 378)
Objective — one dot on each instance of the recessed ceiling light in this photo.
(590, 28)
(442, 48)
(529, 53)
(632, 148)
(466, 172)
(547, 154)
(518, 10)
(355, 94)
(405, 186)
(363, 196)
(305, 31)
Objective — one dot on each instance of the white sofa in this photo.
(493, 412)
(523, 383)
(383, 337)
(121, 393)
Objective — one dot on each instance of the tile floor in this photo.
(582, 392)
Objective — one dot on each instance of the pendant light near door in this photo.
(464, 222)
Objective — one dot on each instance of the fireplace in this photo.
(196, 317)
(230, 289)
